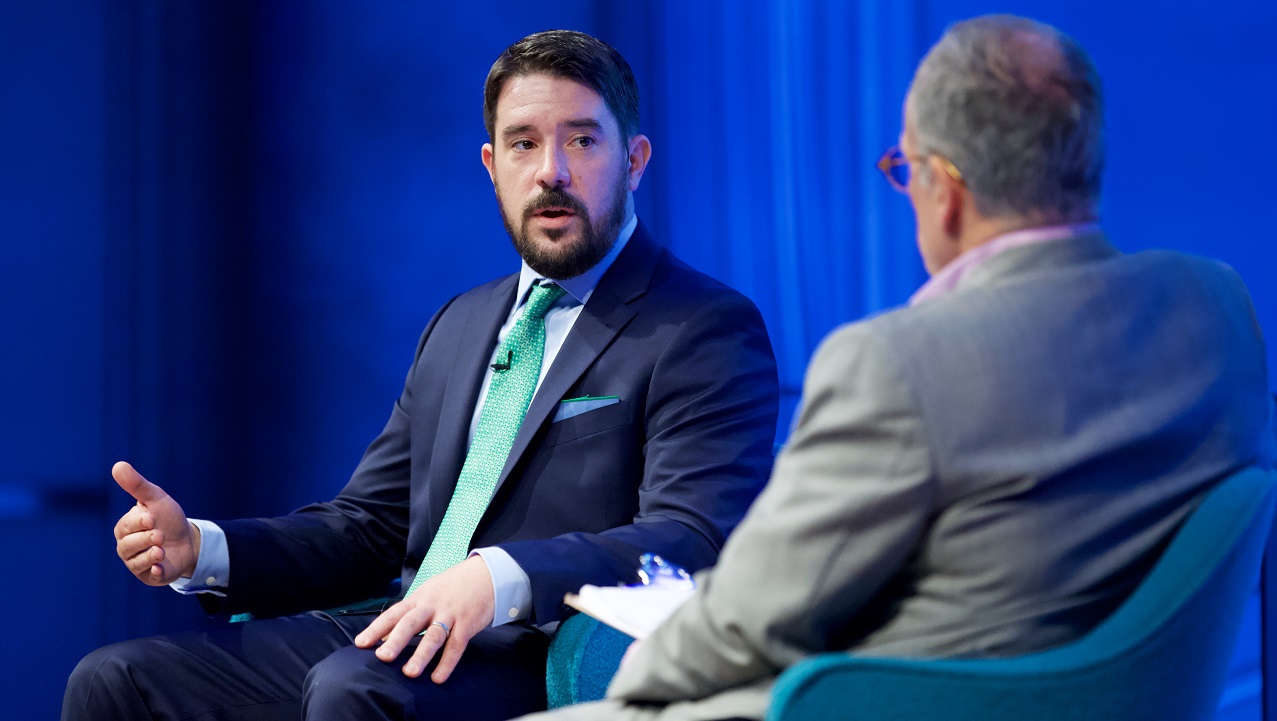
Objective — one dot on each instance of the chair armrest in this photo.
(583, 658)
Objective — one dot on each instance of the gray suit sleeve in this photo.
(848, 501)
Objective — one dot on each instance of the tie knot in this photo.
(540, 300)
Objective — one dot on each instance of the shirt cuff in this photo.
(213, 567)
(511, 586)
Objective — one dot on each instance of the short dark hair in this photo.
(574, 56)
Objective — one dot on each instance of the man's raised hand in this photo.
(154, 539)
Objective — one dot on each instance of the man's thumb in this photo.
(134, 484)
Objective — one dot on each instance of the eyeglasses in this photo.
(894, 165)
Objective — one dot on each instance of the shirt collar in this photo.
(582, 286)
(952, 274)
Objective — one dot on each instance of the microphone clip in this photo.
(501, 367)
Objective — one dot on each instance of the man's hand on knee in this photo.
(450, 608)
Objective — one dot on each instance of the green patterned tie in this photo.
(503, 409)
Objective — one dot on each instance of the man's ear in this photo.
(951, 197)
(640, 153)
(486, 154)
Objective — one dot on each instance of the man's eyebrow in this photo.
(575, 123)
(516, 130)
(584, 123)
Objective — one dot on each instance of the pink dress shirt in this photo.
(952, 274)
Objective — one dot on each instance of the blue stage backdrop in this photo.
(228, 222)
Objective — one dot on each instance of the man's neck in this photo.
(1015, 235)
(982, 229)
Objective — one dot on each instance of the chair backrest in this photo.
(1213, 558)
(1163, 654)
(1185, 615)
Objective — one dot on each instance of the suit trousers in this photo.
(306, 667)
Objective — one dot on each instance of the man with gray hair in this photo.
(991, 470)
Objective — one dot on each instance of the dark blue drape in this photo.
(226, 223)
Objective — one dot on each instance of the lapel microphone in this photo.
(500, 367)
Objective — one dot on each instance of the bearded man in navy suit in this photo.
(650, 428)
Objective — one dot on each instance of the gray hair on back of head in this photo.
(1016, 105)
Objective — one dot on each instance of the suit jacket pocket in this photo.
(587, 424)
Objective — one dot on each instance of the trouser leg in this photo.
(500, 676)
(244, 671)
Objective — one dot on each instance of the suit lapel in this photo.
(474, 351)
(608, 311)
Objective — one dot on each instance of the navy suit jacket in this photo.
(671, 468)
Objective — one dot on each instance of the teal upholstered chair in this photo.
(583, 659)
(1162, 655)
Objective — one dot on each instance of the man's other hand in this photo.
(154, 539)
(460, 598)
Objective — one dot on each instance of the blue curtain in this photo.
(229, 221)
(767, 123)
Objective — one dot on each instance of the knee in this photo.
(104, 667)
(326, 680)
(349, 683)
(102, 685)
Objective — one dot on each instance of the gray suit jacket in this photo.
(988, 473)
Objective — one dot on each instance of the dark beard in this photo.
(596, 240)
